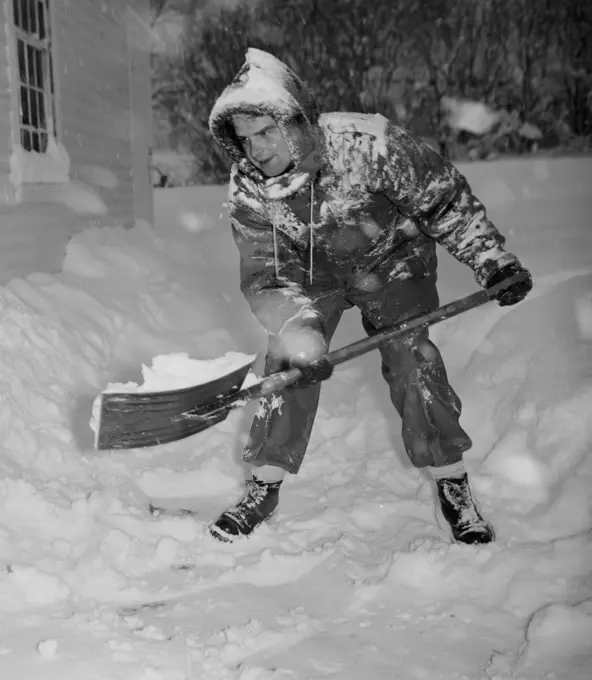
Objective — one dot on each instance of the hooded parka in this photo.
(354, 221)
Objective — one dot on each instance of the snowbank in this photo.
(118, 302)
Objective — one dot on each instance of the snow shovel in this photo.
(142, 419)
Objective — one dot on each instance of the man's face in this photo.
(263, 143)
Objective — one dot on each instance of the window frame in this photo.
(39, 82)
(51, 165)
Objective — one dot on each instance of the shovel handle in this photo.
(279, 381)
(420, 321)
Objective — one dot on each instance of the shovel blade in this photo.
(130, 420)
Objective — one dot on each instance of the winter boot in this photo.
(459, 510)
(257, 506)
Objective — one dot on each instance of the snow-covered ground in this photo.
(356, 579)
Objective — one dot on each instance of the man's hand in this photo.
(517, 291)
(312, 372)
(304, 348)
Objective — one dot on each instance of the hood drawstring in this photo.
(276, 258)
(311, 235)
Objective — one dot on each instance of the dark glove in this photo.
(514, 293)
(312, 372)
(294, 342)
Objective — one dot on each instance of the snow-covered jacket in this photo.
(364, 209)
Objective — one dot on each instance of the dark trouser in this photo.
(412, 367)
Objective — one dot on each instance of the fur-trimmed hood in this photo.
(263, 86)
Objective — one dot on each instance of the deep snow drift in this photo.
(356, 579)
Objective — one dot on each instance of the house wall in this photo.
(141, 108)
(102, 76)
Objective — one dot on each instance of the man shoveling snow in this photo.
(339, 210)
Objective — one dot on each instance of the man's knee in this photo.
(409, 351)
(422, 346)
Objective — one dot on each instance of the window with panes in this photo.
(35, 73)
